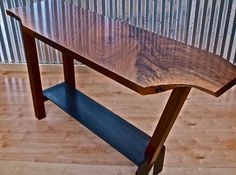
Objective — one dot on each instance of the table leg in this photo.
(69, 72)
(155, 150)
(34, 75)
(145, 168)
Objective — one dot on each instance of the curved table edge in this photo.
(135, 87)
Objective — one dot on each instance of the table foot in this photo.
(158, 165)
(145, 168)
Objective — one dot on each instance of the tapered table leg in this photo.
(69, 72)
(34, 75)
(155, 149)
(158, 164)
(144, 169)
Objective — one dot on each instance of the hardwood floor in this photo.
(203, 140)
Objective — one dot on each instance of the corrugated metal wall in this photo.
(206, 24)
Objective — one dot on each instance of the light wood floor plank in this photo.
(203, 140)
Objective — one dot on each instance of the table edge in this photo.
(127, 83)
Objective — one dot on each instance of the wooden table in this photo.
(138, 59)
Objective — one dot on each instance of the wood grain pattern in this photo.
(114, 130)
(202, 141)
(141, 60)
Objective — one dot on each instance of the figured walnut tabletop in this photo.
(141, 60)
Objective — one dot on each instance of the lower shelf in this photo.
(121, 135)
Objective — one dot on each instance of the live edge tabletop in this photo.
(143, 61)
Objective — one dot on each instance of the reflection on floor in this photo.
(202, 141)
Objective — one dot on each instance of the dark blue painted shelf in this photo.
(120, 134)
